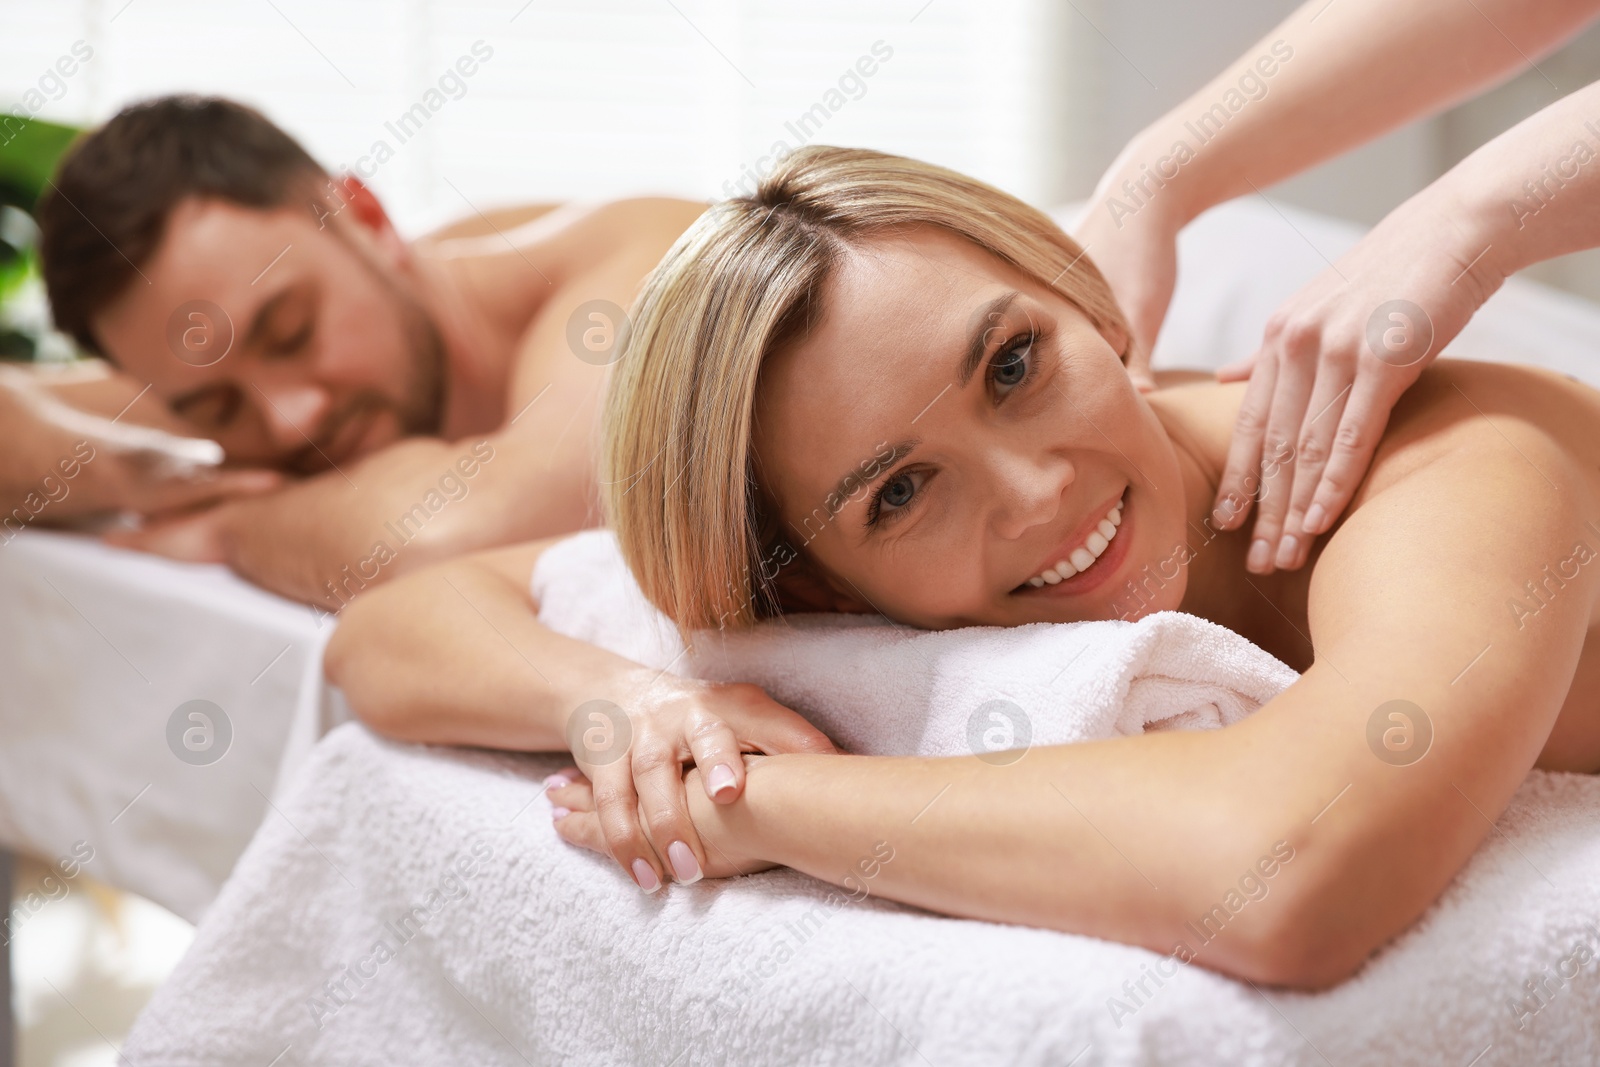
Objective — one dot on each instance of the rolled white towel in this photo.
(880, 688)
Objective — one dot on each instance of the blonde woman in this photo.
(877, 385)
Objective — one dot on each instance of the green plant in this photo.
(29, 151)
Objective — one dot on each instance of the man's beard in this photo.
(421, 410)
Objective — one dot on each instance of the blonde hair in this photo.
(677, 471)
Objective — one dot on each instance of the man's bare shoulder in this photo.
(490, 222)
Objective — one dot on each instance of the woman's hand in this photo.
(1334, 360)
(634, 760)
(573, 812)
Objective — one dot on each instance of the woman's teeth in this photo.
(1085, 554)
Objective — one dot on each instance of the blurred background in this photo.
(603, 98)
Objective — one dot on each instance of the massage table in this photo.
(105, 652)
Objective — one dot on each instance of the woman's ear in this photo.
(1120, 340)
(802, 588)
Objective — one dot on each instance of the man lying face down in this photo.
(418, 398)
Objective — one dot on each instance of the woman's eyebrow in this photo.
(977, 345)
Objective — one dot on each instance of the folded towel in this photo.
(879, 688)
(409, 904)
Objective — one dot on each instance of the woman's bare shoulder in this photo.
(1454, 404)
(1461, 405)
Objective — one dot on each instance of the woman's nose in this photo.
(1029, 489)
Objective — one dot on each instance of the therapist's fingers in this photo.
(1297, 371)
(1361, 425)
(1238, 370)
(1139, 366)
(1240, 478)
(1328, 398)
(617, 808)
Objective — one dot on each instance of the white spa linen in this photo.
(877, 687)
(407, 904)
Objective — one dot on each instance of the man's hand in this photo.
(195, 536)
(107, 464)
(147, 471)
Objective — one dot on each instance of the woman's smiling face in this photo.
(951, 429)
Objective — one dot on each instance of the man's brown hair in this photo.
(103, 216)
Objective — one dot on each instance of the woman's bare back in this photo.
(1449, 408)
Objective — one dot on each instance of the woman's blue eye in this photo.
(1011, 367)
(896, 493)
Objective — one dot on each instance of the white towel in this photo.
(408, 904)
(879, 688)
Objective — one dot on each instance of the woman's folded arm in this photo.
(455, 654)
(1366, 785)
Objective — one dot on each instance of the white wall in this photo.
(595, 98)
(578, 98)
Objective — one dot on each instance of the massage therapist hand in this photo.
(1336, 357)
(1334, 360)
(643, 798)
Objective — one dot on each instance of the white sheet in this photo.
(99, 646)
(525, 949)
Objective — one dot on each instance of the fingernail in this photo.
(721, 778)
(1286, 550)
(556, 781)
(1312, 523)
(560, 813)
(685, 868)
(645, 876)
(1259, 552)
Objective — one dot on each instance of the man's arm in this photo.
(1150, 839)
(83, 441)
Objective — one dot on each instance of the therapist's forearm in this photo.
(1341, 74)
(1069, 838)
(1530, 194)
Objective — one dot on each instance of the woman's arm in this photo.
(455, 654)
(1329, 77)
(1350, 819)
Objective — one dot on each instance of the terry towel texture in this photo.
(880, 688)
(408, 904)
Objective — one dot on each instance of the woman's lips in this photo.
(1101, 571)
